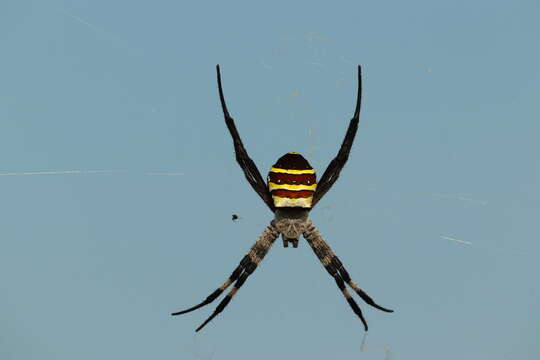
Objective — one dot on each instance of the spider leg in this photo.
(223, 304)
(341, 284)
(246, 267)
(249, 168)
(234, 276)
(333, 170)
(345, 276)
(335, 268)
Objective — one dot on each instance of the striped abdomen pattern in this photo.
(292, 181)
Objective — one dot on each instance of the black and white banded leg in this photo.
(247, 266)
(336, 269)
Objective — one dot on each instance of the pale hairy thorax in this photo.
(291, 223)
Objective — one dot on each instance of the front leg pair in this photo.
(246, 267)
(336, 269)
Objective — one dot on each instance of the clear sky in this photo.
(118, 179)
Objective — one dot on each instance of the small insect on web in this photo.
(290, 192)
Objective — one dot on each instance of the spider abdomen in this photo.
(292, 181)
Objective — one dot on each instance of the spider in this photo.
(290, 193)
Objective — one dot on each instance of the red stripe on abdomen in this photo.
(292, 179)
(293, 194)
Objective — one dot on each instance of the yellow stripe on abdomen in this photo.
(274, 186)
(292, 171)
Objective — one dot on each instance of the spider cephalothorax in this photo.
(290, 193)
(291, 222)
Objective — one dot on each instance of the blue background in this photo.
(435, 215)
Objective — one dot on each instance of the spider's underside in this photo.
(291, 192)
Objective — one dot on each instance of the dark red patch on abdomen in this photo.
(292, 179)
(292, 194)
